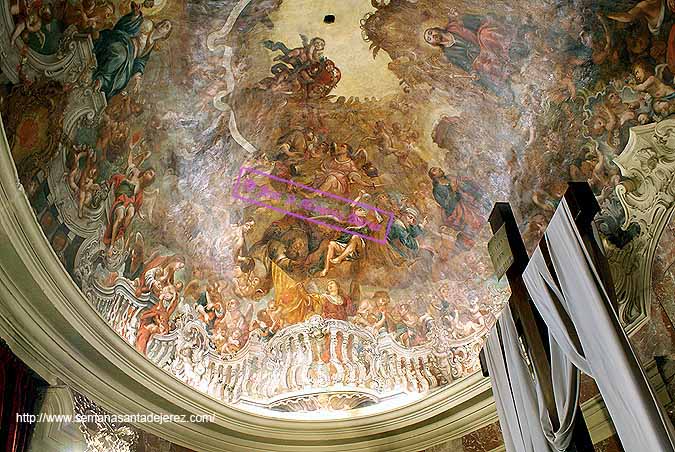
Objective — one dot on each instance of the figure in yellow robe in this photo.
(292, 303)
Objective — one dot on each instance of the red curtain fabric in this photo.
(20, 388)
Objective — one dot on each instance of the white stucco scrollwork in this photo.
(71, 65)
(647, 196)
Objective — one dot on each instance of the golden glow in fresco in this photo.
(363, 75)
(291, 216)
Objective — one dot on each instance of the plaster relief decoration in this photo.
(648, 164)
(289, 214)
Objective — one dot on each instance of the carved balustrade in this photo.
(317, 364)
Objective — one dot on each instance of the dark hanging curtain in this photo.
(20, 388)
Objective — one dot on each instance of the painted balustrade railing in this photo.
(355, 365)
(119, 307)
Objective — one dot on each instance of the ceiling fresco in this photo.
(288, 211)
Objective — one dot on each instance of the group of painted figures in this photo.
(289, 249)
(297, 269)
(280, 269)
(302, 71)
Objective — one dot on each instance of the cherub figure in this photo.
(88, 15)
(82, 178)
(648, 82)
(272, 316)
(28, 18)
(663, 108)
(281, 81)
(459, 329)
(159, 272)
(233, 343)
(382, 310)
(311, 51)
(602, 122)
(407, 325)
(474, 313)
(219, 335)
(366, 314)
(383, 139)
(302, 69)
(183, 366)
(213, 311)
(623, 111)
(234, 319)
(247, 284)
(264, 323)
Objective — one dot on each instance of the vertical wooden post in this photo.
(530, 324)
(584, 206)
(528, 321)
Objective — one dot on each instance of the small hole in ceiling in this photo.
(329, 18)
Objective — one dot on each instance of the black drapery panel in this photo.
(20, 388)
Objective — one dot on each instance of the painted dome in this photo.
(284, 203)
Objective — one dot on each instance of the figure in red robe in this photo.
(128, 191)
(477, 45)
(156, 319)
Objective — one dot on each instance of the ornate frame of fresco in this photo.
(50, 325)
(72, 64)
(647, 197)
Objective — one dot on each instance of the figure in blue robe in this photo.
(115, 52)
(402, 237)
(462, 202)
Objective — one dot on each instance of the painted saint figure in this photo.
(404, 231)
(478, 46)
(128, 191)
(339, 173)
(334, 304)
(460, 202)
(123, 52)
(155, 320)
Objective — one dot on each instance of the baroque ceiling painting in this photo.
(284, 203)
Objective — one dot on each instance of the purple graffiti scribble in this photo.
(290, 199)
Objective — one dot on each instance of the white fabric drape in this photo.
(501, 389)
(565, 381)
(514, 390)
(586, 329)
(566, 360)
